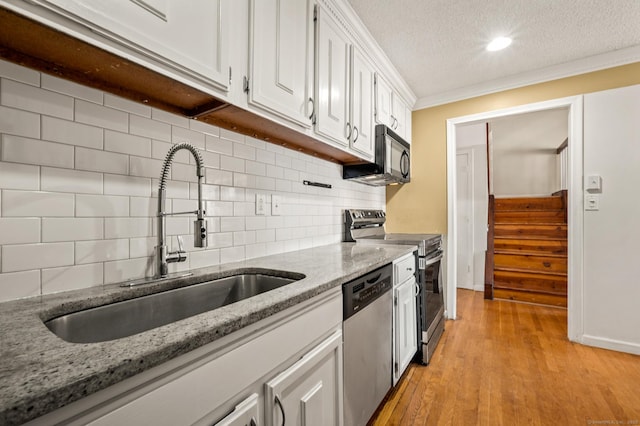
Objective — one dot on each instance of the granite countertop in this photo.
(39, 372)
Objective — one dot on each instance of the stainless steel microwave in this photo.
(391, 161)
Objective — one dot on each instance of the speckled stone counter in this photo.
(40, 372)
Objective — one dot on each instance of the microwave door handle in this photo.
(404, 164)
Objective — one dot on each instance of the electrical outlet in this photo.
(276, 205)
(261, 204)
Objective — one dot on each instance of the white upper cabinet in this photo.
(362, 136)
(332, 80)
(391, 109)
(281, 58)
(189, 36)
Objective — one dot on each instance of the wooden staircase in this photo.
(530, 250)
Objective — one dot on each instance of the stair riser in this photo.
(542, 203)
(532, 282)
(543, 299)
(531, 231)
(530, 217)
(531, 263)
(540, 247)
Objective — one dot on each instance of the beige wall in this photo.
(421, 206)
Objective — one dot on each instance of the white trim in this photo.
(581, 66)
(614, 345)
(471, 238)
(575, 326)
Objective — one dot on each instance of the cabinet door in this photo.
(332, 80)
(191, 36)
(406, 341)
(398, 116)
(408, 124)
(383, 102)
(281, 53)
(310, 391)
(245, 414)
(362, 137)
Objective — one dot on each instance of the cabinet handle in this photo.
(313, 110)
(417, 288)
(253, 422)
(348, 130)
(279, 403)
(357, 133)
(393, 121)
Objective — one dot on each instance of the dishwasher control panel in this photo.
(362, 291)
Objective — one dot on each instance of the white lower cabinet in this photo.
(310, 391)
(405, 337)
(295, 355)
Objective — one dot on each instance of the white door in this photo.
(281, 53)
(398, 116)
(464, 196)
(362, 137)
(383, 102)
(332, 79)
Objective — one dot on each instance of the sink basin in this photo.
(129, 317)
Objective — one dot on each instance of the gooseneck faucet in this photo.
(163, 256)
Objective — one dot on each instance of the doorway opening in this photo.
(456, 209)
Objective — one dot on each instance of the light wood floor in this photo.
(505, 363)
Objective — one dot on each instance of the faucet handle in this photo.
(180, 244)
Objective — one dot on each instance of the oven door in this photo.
(432, 298)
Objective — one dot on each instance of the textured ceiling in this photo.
(438, 46)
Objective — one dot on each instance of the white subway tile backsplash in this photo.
(219, 177)
(19, 230)
(221, 146)
(72, 229)
(167, 117)
(35, 203)
(71, 278)
(100, 116)
(180, 135)
(123, 270)
(19, 123)
(34, 99)
(231, 164)
(23, 257)
(101, 206)
(146, 167)
(101, 251)
(31, 151)
(127, 185)
(70, 88)
(98, 166)
(228, 224)
(241, 150)
(71, 133)
(127, 227)
(66, 180)
(149, 128)
(18, 73)
(19, 176)
(126, 105)
(101, 161)
(127, 144)
(17, 285)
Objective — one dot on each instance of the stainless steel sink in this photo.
(129, 317)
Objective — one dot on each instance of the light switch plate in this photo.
(276, 205)
(592, 202)
(261, 204)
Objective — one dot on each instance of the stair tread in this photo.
(529, 274)
(541, 272)
(539, 253)
(520, 290)
(524, 237)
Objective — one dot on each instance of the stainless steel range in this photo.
(367, 227)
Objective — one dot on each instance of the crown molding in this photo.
(372, 49)
(581, 66)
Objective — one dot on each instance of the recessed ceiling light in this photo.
(498, 43)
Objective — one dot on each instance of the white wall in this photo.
(524, 153)
(612, 234)
(79, 172)
(473, 137)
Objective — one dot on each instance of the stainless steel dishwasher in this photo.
(367, 314)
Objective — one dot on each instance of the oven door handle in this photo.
(432, 260)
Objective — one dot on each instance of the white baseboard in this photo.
(478, 287)
(614, 345)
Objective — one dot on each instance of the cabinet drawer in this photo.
(404, 268)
